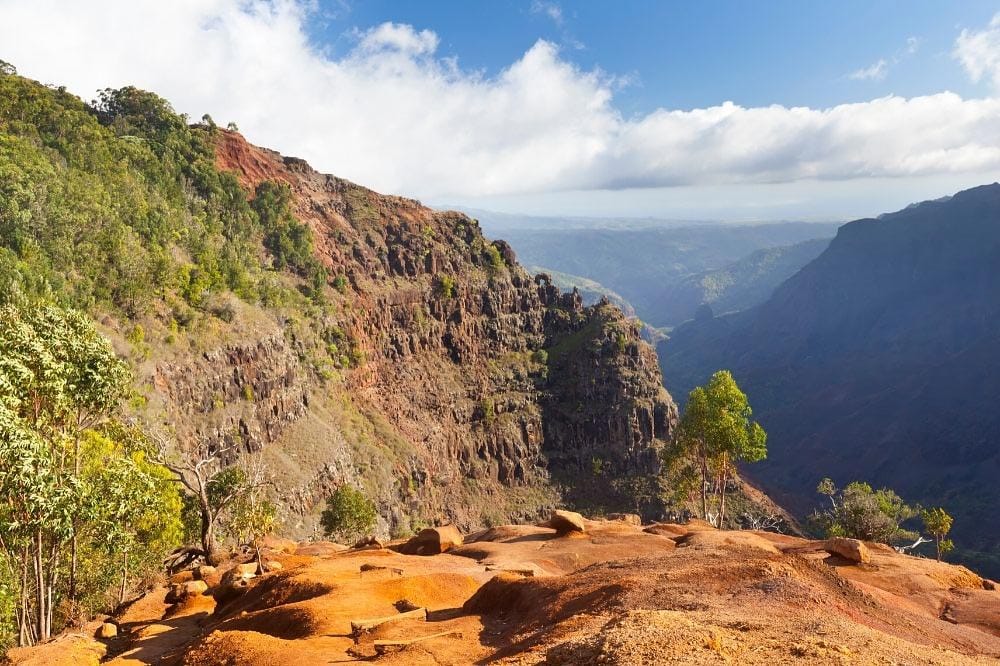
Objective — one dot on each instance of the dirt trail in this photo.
(614, 594)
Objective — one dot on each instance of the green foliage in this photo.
(938, 523)
(493, 257)
(718, 431)
(540, 356)
(74, 486)
(859, 512)
(349, 514)
(489, 410)
(119, 203)
(446, 286)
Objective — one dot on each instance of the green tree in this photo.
(60, 384)
(938, 523)
(718, 431)
(860, 512)
(349, 514)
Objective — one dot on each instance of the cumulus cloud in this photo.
(979, 52)
(393, 113)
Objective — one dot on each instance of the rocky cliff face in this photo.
(440, 376)
(878, 361)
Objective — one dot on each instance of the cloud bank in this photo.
(393, 113)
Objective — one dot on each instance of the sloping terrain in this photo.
(616, 593)
(878, 361)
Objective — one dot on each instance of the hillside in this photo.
(741, 284)
(615, 593)
(878, 361)
(644, 261)
(344, 335)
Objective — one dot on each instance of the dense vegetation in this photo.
(117, 203)
(115, 207)
(83, 510)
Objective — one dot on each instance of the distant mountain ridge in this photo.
(642, 262)
(741, 284)
(880, 360)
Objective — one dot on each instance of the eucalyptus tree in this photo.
(717, 430)
(60, 383)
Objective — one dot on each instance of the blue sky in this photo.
(708, 110)
(696, 54)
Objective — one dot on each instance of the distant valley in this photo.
(879, 361)
(664, 269)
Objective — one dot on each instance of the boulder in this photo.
(234, 583)
(433, 541)
(273, 565)
(849, 549)
(191, 588)
(279, 545)
(204, 572)
(248, 568)
(369, 542)
(565, 522)
(627, 518)
(107, 630)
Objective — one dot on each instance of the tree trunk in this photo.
(208, 535)
(937, 545)
(121, 592)
(725, 480)
(704, 488)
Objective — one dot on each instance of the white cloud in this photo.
(979, 52)
(399, 37)
(874, 72)
(550, 9)
(879, 69)
(393, 114)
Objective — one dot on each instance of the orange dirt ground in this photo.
(614, 594)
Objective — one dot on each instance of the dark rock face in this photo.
(442, 400)
(879, 361)
(237, 396)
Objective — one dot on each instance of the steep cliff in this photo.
(878, 361)
(441, 376)
(344, 335)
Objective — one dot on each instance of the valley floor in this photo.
(617, 593)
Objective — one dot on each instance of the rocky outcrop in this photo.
(440, 376)
(242, 395)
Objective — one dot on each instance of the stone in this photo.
(107, 630)
(627, 518)
(369, 542)
(850, 549)
(234, 583)
(433, 541)
(204, 571)
(273, 565)
(565, 522)
(181, 591)
(989, 585)
(248, 568)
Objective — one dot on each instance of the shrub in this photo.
(446, 286)
(349, 514)
(859, 512)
